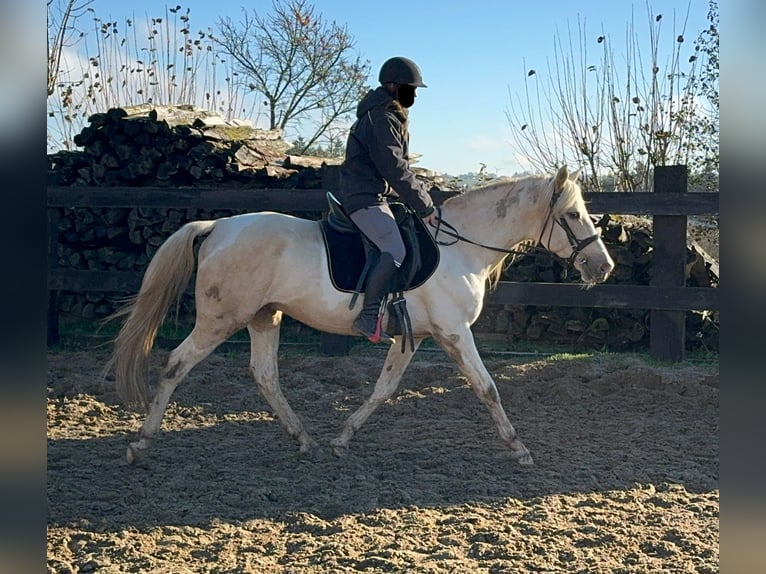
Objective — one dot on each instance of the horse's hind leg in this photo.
(264, 348)
(182, 359)
(393, 369)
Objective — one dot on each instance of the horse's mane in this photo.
(542, 184)
(496, 271)
(480, 189)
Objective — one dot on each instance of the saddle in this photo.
(349, 255)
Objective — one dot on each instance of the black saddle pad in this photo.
(346, 257)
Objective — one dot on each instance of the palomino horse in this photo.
(253, 268)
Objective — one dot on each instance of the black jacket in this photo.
(376, 166)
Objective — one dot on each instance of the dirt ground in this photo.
(625, 476)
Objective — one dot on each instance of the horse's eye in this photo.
(574, 215)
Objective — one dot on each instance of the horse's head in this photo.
(570, 233)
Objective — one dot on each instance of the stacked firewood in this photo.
(631, 247)
(176, 146)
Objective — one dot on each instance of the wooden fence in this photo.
(667, 297)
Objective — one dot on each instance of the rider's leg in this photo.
(379, 226)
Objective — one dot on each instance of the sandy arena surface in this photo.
(625, 476)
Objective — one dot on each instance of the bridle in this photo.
(577, 244)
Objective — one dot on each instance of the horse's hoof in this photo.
(520, 453)
(136, 449)
(308, 444)
(525, 460)
(339, 447)
(522, 456)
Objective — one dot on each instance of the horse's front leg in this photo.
(264, 348)
(462, 349)
(393, 369)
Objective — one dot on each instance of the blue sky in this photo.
(474, 56)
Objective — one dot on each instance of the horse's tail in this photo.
(165, 281)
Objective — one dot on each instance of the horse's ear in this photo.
(561, 177)
(574, 176)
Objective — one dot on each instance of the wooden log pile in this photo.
(178, 146)
(631, 248)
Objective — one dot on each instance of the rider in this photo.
(376, 168)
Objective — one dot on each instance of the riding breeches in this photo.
(379, 226)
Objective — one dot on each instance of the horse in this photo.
(254, 268)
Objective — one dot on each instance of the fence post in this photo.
(667, 336)
(331, 344)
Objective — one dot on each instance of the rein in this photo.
(454, 233)
(576, 244)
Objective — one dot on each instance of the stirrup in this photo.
(377, 335)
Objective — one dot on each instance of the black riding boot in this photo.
(379, 284)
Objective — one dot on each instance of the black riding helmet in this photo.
(400, 70)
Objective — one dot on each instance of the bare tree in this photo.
(62, 32)
(701, 145)
(617, 121)
(160, 60)
(305, 68)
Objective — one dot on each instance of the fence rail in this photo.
(667, 297)
(625, 203)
